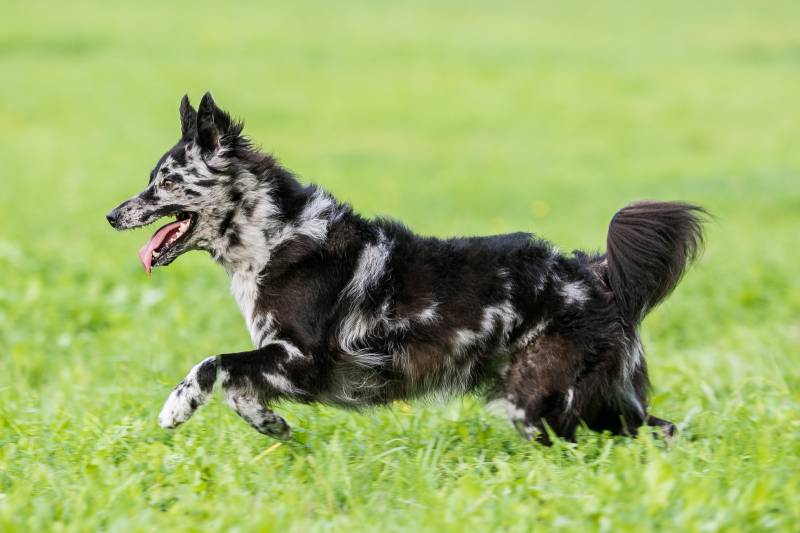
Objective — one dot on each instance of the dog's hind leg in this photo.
(619, 405)
(666, 429)
(189, 394)
(538, 389)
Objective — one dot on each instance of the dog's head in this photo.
(194, 181)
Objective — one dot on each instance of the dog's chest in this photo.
(245, 290)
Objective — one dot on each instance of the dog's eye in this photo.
(167, 184)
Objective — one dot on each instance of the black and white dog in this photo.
(356, 312)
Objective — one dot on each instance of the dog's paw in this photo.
(663, 429)
(258, 415)
(277, 429)
(667, 432)
(178, 408)
(190, 394)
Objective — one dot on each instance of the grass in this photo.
(458, 117)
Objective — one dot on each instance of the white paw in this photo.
(190, 394)
(177, 409)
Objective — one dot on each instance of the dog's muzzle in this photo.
(113, 217)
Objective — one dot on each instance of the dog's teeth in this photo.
(155, 254)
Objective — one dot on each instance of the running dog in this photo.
(355, 312)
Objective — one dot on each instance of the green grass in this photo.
(458, 117)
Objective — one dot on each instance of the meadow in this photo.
(458, 118)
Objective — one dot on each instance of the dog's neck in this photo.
(265, 208)
(246, 229)
(271, 211)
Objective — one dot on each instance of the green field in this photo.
(459, 118)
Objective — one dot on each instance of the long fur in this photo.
(649, 246)
(356, 312)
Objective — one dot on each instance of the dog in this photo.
(354, 312)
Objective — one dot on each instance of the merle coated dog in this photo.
(355, 312)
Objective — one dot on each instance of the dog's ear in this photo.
(188, 119)
(212, 124)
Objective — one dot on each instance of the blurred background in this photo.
(458, 118)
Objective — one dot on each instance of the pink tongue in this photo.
(146, 252)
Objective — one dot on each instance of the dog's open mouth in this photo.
(166, 238)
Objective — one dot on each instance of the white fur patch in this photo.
(370, 268)
(569, 399)
(574, 293)
(512, 410)
(503, 315)
(253, 252)
(632, 359)
(634, 401)
(464, 339)
(244, 288)
(178, 408)
(280, 383)
(515, 413)
(531, 334)
(355, 330)
(255, 413)
(504, 407)
(292, 351)
(428, 315)
(311, 222)
(358, 325)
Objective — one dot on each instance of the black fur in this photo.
(650, 244)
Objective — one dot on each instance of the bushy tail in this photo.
(649, 246)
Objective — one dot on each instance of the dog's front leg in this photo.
(189, 394)
(241, 393)
(252, 380)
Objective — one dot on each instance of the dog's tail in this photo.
(649, 246)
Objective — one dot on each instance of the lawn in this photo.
(458, 118)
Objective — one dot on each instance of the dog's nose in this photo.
(112, 217)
